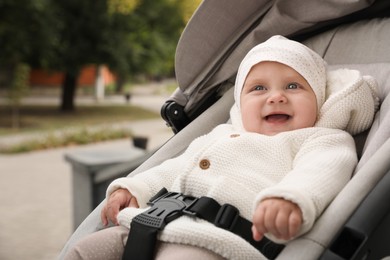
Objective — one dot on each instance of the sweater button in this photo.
(234, 135)
(204, 164)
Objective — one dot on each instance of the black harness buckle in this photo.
(168, 206)
(227, 217)
(164, 209)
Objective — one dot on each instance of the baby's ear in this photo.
(351, 101)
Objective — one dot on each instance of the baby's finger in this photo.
(257, 236)
(270, 221)
(112, 212)
(103, 216)
(295, 222)
(282, 224)
(258, 219)
(133, 203)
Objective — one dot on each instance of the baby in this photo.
(286, 154)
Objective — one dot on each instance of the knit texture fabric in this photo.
(346, 99)
(351, 101)
(291, 53)
(307, 166)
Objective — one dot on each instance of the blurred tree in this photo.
(18, 89)
(148, 42)
(82, 36)
(121, 6)
(130, 36)
(27, 36)
(27, 31)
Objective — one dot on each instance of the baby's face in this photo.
(275, 98)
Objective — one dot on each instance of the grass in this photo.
(88, 124)
(49, 118)
(78, 137)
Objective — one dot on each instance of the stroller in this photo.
(352, 34)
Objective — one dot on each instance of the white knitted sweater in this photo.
(307, 166)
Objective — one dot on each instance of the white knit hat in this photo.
(291, 53)
(346, 100)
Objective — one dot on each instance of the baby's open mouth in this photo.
(277, 118)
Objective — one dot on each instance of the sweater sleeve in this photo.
(146, 184)
(321, 168)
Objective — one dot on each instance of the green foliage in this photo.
(121, 6)
(19, 86)
(17, 90)
(28, 32)
(146, 45)
(78, 137)
(82, 30)
(48, 118)
(131, 36)
(89, 124)
(187, 8)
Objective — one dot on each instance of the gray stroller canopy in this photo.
(220, 33)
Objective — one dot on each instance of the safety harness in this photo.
(168, 206)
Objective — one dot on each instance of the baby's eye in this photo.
(292, 86)
(259, 87)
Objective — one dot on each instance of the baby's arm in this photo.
(279, 217)
(118, 200)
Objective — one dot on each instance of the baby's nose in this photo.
(277, 97)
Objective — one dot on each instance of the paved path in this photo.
(35, 192)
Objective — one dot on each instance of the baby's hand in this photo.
(117, 201)
(279, 217)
